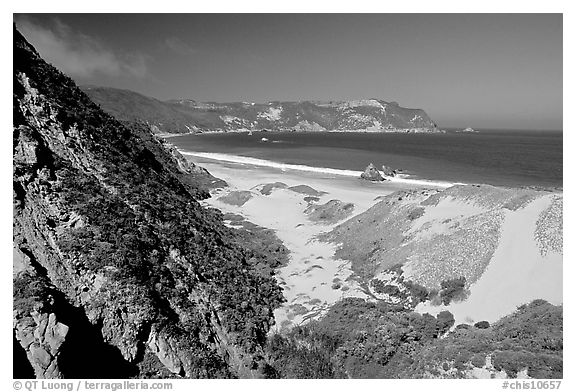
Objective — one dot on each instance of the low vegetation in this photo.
(359, 339)
(453, 290)
(410, 294)
(355, 339)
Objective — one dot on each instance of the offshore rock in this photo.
(388, 171)
(371, 173)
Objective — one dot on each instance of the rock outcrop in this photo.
(36, 325)
(371, 173)
(388, 171)
(190, 169)
(119, 272)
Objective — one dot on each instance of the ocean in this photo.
(503, 158)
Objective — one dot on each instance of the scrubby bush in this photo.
(512, 361)
(378, 285)
(305, 352)
(445, 321)
(453, 290)
(482, 325)
(462, 359)
(416, 213)
(358, 339)
(365, 339)
(478, 360)
(391, 290)
(418, 292)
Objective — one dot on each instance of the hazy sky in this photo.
(478, 70)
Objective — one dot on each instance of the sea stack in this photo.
(371, 174)
(388, 171)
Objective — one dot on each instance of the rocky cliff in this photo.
(183, 116)
(118, 271)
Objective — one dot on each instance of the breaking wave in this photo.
(311, 169)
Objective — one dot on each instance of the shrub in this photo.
(445, 320)
(416, 213)
(478, 360)
(482, 325)
(418, 292)
(378, 286)
(392, 290)
(462, 359)
(453, 289)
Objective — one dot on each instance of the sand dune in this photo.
(517, 273)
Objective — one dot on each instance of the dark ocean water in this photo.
(509, 158)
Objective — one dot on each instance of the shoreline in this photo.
(419, 131)
(401, 179)
(453, 161)
(244, 160)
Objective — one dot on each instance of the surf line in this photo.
(322, 170)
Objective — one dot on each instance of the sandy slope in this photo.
(517, 273)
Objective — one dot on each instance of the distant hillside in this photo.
(162, 117)
(183, 116)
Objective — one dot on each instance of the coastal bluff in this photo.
(189, 116)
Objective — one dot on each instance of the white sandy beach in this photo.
(336, 173)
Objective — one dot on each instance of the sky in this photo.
(501, 71)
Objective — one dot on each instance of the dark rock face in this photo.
(118, 270)
(190, 173)
(184, 116)
(36, 325)
(371, 174)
